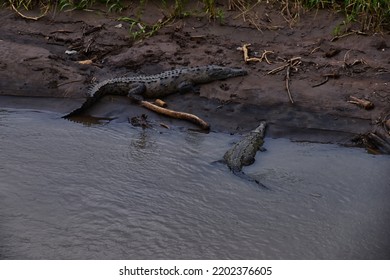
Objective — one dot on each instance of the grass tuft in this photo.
(371, 14)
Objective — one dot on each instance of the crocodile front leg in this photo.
(136, 91)
(185, 86)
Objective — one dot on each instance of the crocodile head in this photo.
(220, 73)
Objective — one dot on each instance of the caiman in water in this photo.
(243, 152)
(160, 85)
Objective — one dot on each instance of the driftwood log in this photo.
(379, 141)
(175, 114)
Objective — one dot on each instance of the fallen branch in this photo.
(264, 56)
(321, 83)
(27, 17)
(380, 143)
(175, 114)
(356, 61)
(160, 103)
(278, 69)
(314, 50)
(247, 59)
(327, 76)
(287, 84)
(245, 51)
(357, 32)
(291, 63)
(244, 9)
(365, 104)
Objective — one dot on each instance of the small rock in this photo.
(380, 45)
(70, 52)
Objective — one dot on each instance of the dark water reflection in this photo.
(68, 191)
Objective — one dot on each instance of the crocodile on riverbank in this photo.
(243, 152)
(160, 85)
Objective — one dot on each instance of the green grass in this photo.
(371, 14)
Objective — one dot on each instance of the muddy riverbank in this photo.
(42, 59)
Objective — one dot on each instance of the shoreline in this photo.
(357, 65)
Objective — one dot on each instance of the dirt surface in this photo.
(34, 63)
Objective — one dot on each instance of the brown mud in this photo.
(34, 63)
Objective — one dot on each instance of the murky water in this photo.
(68, 191)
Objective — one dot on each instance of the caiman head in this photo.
(216, 72)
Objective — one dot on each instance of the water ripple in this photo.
(118, 192)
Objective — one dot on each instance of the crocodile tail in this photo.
(93, 95)
(86, 105)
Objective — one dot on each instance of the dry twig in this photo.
(247, 59)
(264, 56)
(160, 103)
(27, 17)
(357, 32)
(365, 104)
(290, 64)
(287, 84)
(241, 5)
(327, 76)
(315, 49)
(356, 61)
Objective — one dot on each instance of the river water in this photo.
(113, 191)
